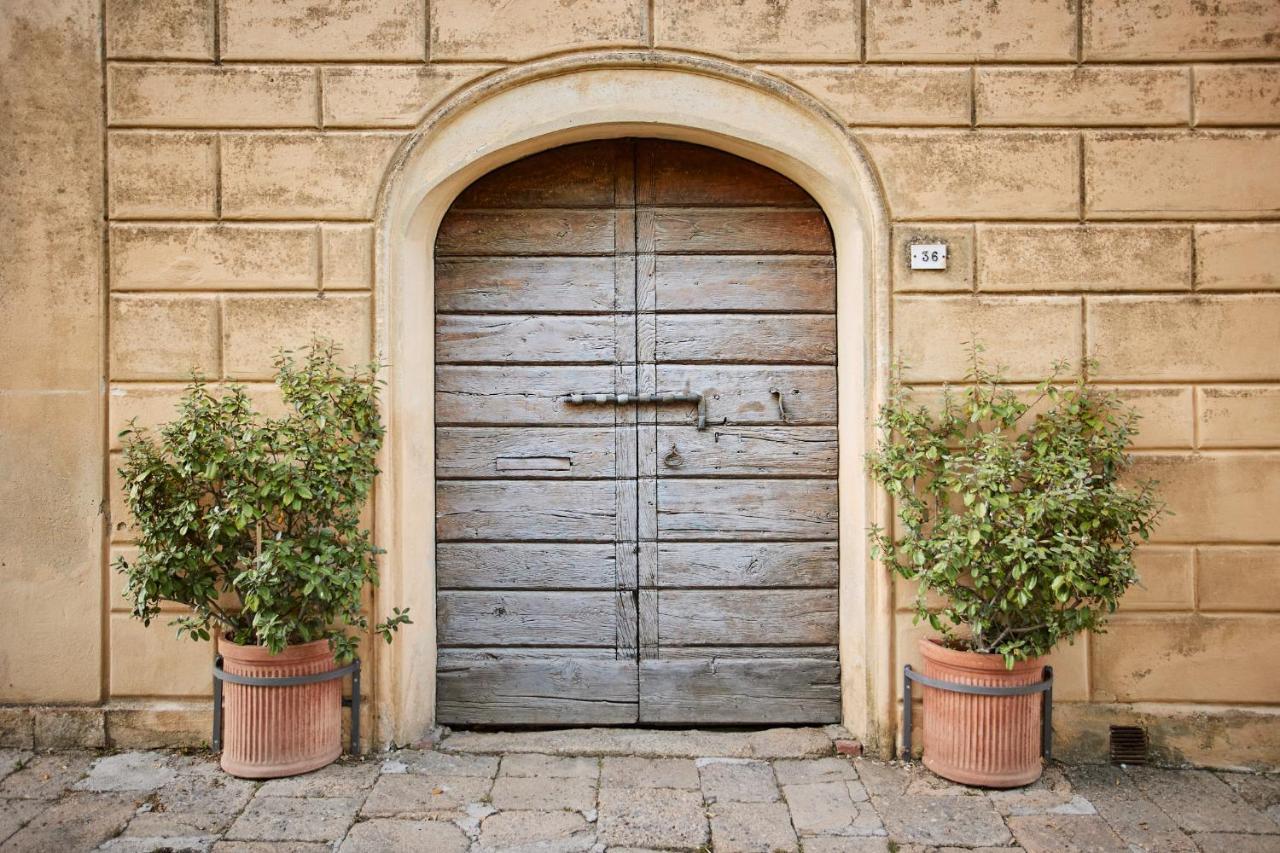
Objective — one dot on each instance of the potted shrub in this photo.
(1013, 523)
(253, 523)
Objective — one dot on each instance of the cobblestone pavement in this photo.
(596, 790)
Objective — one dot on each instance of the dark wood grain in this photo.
(559, 691)
(745, 282)
(751, 451)
(741, 692)
(747, 617)
(526, 618)
(746, 564)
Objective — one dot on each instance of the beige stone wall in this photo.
(1106, 171)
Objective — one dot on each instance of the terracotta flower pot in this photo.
(992, 741)
(269, 732)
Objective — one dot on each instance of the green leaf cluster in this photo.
(253, 522)
(1011, 511)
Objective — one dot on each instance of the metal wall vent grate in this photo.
(1128, 745)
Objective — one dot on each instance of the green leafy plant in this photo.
(1012, 510)
(253, 522)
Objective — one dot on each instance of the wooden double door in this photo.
(604, 558)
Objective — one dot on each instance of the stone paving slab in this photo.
(567, 792)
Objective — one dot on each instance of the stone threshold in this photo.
(800, 742)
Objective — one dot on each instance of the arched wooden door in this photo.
(606, 558)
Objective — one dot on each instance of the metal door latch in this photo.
(782, 408)
(579, 398)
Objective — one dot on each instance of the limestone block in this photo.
(51, 195)
(1215, 497)
(1239, 415)
(1180, 734)
(161, 175)
(16, 728)
(159, 29)
(323, 29)
(1023, 334)
(969, 30)
(957, 277)
(493, 29)
(1082, 96)
(1189, 658)
(1166, 579)
(1084, 257)
(961, 174)
(1180, 29)
(214, 257)
(154, 405)
(1239, 578)
(167, 95)
(1166, 414)
(154, 723)
(153, 661)
(1070, 662)
(123, 529)
(390, 95)
(163, 337)
(304, 175)
(1237, 257)
(348, 257)
(51, 542)
(1237, 95)
(1212, 175)
(814, 30)
(69, 728)
(257, 327)
(886, 95)
(1189, 338)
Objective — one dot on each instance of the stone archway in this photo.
(607, 95)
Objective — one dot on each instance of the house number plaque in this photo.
(928, 256)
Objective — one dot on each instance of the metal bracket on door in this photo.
(578, 398)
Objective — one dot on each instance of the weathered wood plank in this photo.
(745, 283)
(681, 173)
(526, 618)
(470, 452)
(750, 451)
(520, 395)
(524, 565)
(529, 338)
(746, 509)
(753, 230)
(739, 692)
(526, 284)
(521, 509)
(562, 691)
(544, 231)
(697, 338)
(579, 175)
(743, 393)
(729, 564)
(747, 617)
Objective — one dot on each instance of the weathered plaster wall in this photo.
(1107, 171)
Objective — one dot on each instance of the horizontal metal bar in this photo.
(221, 674)
(977, 689)
(581, 397)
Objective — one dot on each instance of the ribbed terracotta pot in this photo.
(992, 741)
(268, 732)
